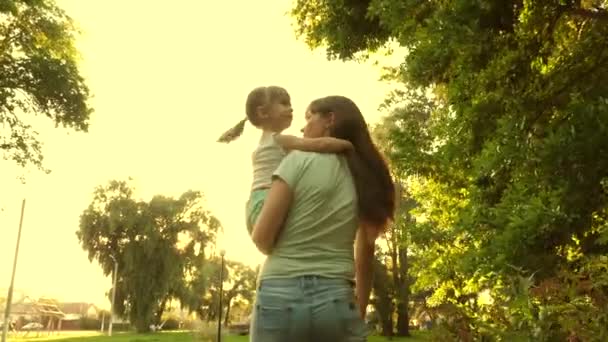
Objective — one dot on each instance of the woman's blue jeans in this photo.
(308, 308)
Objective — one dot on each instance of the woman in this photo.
(321, 210)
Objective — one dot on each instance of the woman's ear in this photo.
(330, 120)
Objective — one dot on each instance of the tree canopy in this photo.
(238, 288)
(160, 247)
(499, 132)
(39, 75)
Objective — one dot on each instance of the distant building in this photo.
(43, 311)
(80, 310)
(23, 312)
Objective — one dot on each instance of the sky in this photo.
(167, 79)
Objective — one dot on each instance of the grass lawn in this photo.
(162, 337)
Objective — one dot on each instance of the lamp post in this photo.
(219, 318)
(9, 298)
(115, 276)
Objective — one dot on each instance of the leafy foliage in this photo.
(392, 286)
(382, 300)
(499, 134)
(39, 75)
(239, 285)
(159, 246)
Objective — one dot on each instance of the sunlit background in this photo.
(168, 78)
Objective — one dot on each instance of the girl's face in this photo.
(279, 116)
(317, 125)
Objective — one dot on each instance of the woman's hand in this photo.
(364, 255)
(362, 311)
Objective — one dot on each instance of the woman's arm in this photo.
(364, 256)
(323, 145)
(272, 216)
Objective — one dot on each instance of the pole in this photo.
(219, 318)
(9, 298)
(113, 297)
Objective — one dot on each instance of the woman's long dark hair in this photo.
(373, 181)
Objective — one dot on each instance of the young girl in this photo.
(269, 109)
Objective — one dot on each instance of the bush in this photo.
(572, 306)
(171, 324)
(189, 324)
(87, 323)
(206, 332)
(120, 326)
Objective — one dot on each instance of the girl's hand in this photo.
(348, 146)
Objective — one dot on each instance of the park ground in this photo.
(183, 336)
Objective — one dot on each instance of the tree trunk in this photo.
(398, 282)
(403, 296)
(201, 313)
(228, 305)
(141, 315)
(159, 313)
(211, 314)
(382, 303)
(142, 325)
(387, 326)
(400, 263)
(384, 312)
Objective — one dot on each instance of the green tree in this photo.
(160, 248)
(382, 300)
(241, 286)
(238, 286)
(520, 108)
(500, 131)
(391, 287)
(397, 237)
(38, 76)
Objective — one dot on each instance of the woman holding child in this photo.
(317, 205)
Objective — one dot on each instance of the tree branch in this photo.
(596, 13)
